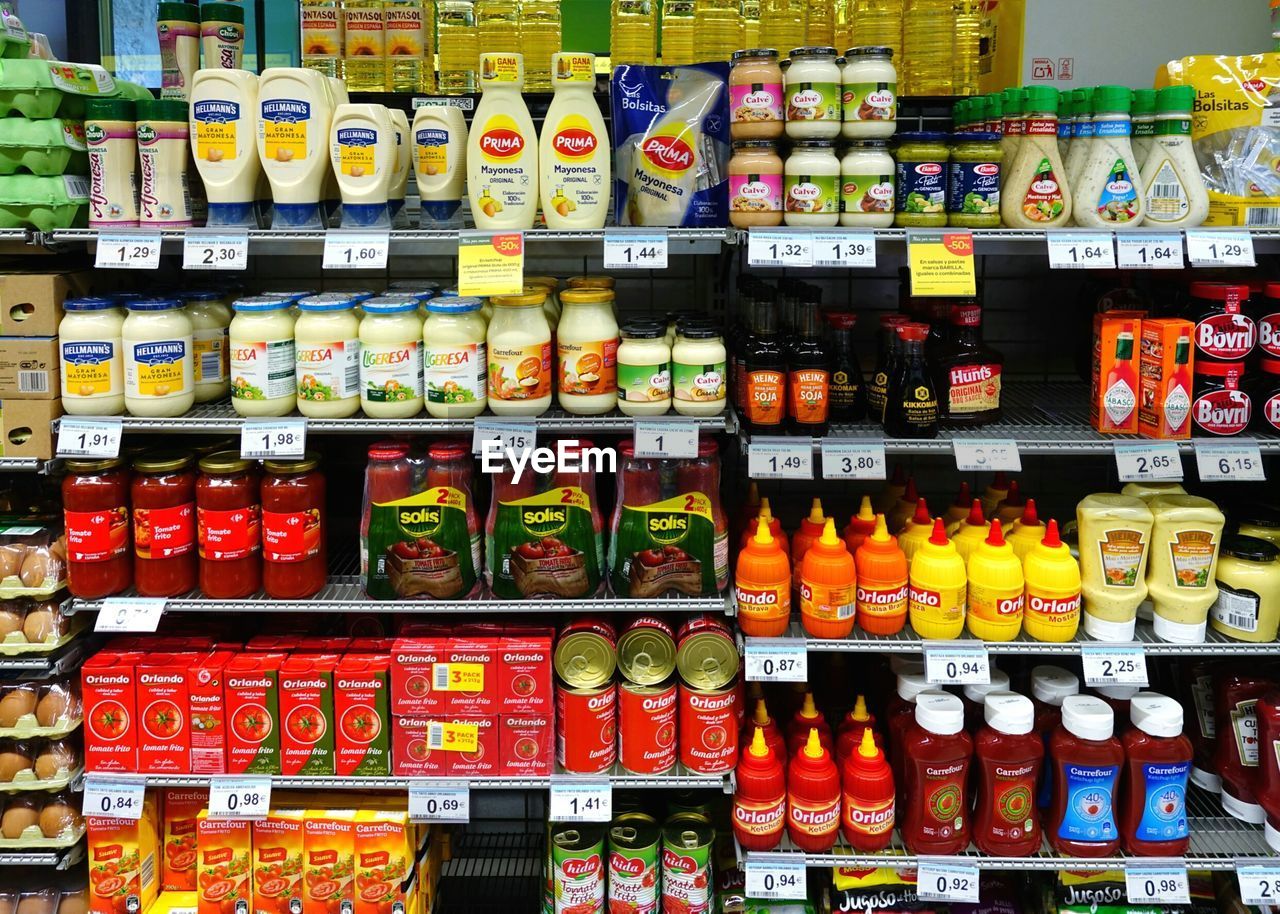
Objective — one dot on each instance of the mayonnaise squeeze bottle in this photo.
(972, 531)
(1052, 611)
(1027, 530)
(1184, 558)
(293, 143)
(502, 150)
(574, 155)
(440, 160)
(224, 131)
(1114, 533)
(404, 160)
(363, 151)
(937, 588)
(331, 194)
(861, 525)
(996, 588)
(917, 530)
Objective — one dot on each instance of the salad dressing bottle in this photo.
(1036, 192)
(1106, 191)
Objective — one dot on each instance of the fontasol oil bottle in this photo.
(938, 586)
(502, 149)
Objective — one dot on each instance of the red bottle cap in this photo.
(913, 333)
(1015, 495)
(996, 536)
(1051, 535)
(939, 535)
(1029, 516)
(922, 513)
(963, 497)
(911, 494)
(976, 518)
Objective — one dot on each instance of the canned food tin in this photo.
(586, 653)
(687, 883)
(647, 651)
(633, 864)
(647, 727)
(577, 853)
(689, 801)
(706, 654)
(708, 729)
(587, 728)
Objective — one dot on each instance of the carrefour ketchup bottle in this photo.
(760, 800)
(807, 718)
(1268, 781)
(900, 713)
(1050, 686)
(760, 720)
(852, 726)
(867, 797)
(813, 797)
(1086, 759)
(1008, 755)
(936, 756)
(1153, 822)
(975, 695)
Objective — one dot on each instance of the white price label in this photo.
(128, 251)
(1113, 664)
(938, 880)
(130, 614)
(119, 797)
(273, 439)
(1235, 461)
(844, 459)
(84, 437)
(624, 250)
(511, 436)
(776, 660)
(573, 800)
(987, 454)
(439, 802)
(779, 249)
(1162, 884)
(345, 250)
(204, 250)
(844, 249)
(240, 797)
(1149, 252)
(956, 663)
(1220, 249)
(780, 881)
(780, 458)
(666, 438)
(1082, 251)
(1259, 884)
(1147, 462)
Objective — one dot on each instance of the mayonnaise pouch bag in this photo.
(671, 145)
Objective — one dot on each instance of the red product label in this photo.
(1229, 336)
(647, 729)
(164, 737)
(161, 533)
(761, 818)
(525, 745)
(810, 390)
(871, 819)
(411, 755)
(1269, 334)
(815, 818)
(1013, 809)
(96, 536)
(226, 535)
(290, 536)
(1222, 412)
(941, 803)
(587, 729)
(485, 760)
(412, 667)
(1271, 412)
(108, 690)
(208, 712)
(708, 731)
(524, 675)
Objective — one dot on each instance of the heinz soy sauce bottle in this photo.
(848, 391)
(911, 402)
(765, 371)
(809, 375)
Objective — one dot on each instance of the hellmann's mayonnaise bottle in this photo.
(1114, 533)
(996, 589)
(1052, 611)
(1184, 559)
(293, 142)
(937, 588)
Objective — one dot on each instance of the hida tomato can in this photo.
(687, 883)
(578, 868)
(586, 653)
(633, 864)
(647, 727)
(587, 728)
(708, 729)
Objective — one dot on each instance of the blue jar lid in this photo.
(391, 304)
(201, 295)
(256, 303)
(320, 303)
(89, 304)
(925, 136)
(154, 304)
(453, 305)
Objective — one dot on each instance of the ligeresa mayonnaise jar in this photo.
(159, 380)
(91, 360)
(224, 131)
(456, 358)
(326, 351)
(391, 349)
(587, 352)
(262, 361)
(293, 142)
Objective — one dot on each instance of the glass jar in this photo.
(973, 181)
(90, 357)
(812, 184)
(1261, 522)
(644, 369)
(455, 359)
(870, 93)
(866, 185)
(294, 565)
(755, 95)
(163, 492)
(158, 369)
(813, 94)
(551, 308)
(95, 512)
(262, 360)
(698, 370)
(1248, 576)
(587, 281)
(922, 180)
(587, 352)
(391, 357)
(520, 363)
(326, 352)
(1265, 392)
(755, 184)
(228, 526)
(210, 319)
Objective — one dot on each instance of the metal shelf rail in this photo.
(492, 871)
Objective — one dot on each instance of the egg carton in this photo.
(15, 644)
(33, 839)
(27, 782)
(28, 727)
(23, 895)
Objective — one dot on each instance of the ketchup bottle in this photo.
(813, 797)
(1050, 686)
(1268, 784)
(1008, 755)
(761, 720)
(899, 714)
(1196, 694)
(760, 800)
(808, 717)
(1236, 723)
(975, 698)
(936, 756)
(854, 724)
(867, 797)
(1153, 822)
(1086, 759)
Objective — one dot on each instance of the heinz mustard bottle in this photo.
(996, 586)
(827, 586)
(937, 588)
(1052, 610)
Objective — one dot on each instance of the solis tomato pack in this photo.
(253, 733)
(543, 545)
(179, 809)
(425, 546)
(278, 843)
(222, 863)
(122, 862)
(306, 713)
(329, 846)
(361, 712)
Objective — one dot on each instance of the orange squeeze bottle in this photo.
(882, 583)
(760, 720)
(827, 587)
(805, 536)
(762, 585)
(861, 525)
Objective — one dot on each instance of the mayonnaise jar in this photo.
(866, 185)
(326, 351)
(698, 370)
(90, 357)
(404, 160)
(644, 369)
(159, 380)
(224, 132)
(587, 352)
(440, 159)
(164, 200)
(813, 94)
(870, 93)
(293, 142)
(1184, 559)
(391, 347)
(520, 357)
(812, 184)
(210, 351)
(262, 360)
(457, 358)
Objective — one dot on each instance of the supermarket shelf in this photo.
(61, 858)
(492, 871)
(61, 660)
(21, 465)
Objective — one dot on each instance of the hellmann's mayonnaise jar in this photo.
(90, 357)
(293, 142)
(159, 380)
(458, 361)
(362, 148)
(224, 142)
(1184, 559)
(587, 352)
(326, 351)
(391, 348)
(1115, 534)
(210, 323)
(262, 361)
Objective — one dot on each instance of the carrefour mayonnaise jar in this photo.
(391, 348)
(159, 380)
(456, 358)
(587, 352)
(210, 323)
(520, 357)
(90, 357)
(262, 360)
(326, 351)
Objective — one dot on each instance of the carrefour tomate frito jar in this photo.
(163, 496)
(95, 510)
(293, 547)
(228, 526)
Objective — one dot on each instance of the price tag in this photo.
(438, 802)
(977, 454)
(635, 250)
(458, 677)
(1113, 664)
(345, 250)
(215, 250)
(844, 459)
(776, 660)
(780, 458)
(1162, 884)
(127, 251)
(240, 797)
(1259, 884)
(779, 249)
(1235, 461)
(453, 737)
(1149, 252)
(84, 437)
(1220, 249)
(1082, 251)
(938, 880)
(854, 250)
(130, 614)
(669, 438)
(490, 263)
(273, 439)
(941, 264)
(574, 800)
(783, 880)
(956, 663)
(1148, 461)
(117, 797)
(511, 436)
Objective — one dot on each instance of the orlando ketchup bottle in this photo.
(761, 720)
(760, 800)
(762, 585)
(806, 719)
(1153, 821)
(936, 756)
(866, 801)
(852, 726)
(813, 798)
(1008, 755)
(1086, 759)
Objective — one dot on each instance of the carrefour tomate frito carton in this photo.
(224, 848)
(253, 732)
(329, 847)
(385, 854)
(277, 861)
(361, 714)
(306, 714)
(108, 689)
(179, 809)
(122, 861)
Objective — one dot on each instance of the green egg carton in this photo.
(44, 203)
(52, 146)
(133, 91)
(48, 88)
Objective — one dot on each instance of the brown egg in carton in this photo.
(40, 764)
(38, 708)
(29, 626)
(32, 891)
(33, 562)
(35, 820)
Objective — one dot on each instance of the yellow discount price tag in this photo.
(941, 263)
(448, 737)
(459, 677)
(490, 263)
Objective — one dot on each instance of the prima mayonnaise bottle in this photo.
(293, 142)
(400, 180)
(362, 148)
(440, 160)
(502, 151)
(224, 131)
(574, 153)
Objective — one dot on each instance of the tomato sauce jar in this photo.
(1219, 404)
(228, 526)
(293, 551)
(95, 502)
(163, 492)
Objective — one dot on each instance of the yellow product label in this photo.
(286, 141)
(588, 368)
(827, 602)
(365, 32)
(995, 604)
(433, 159)
(460, 677)
(492, 265)
(942, 264)
(575, 68)
(499, 68)
(405, 36)
(1192, 553)
(938, 605)
(520, 372)
(357, 161)
(321, 31)
(158, 369)
(216, 140)
(459, 738)
(90, 368)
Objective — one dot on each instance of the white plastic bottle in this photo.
(293, 142)
(404, 160)
(502, 151)
(1107, 194)
(440, 160)
(574, 153)
(363, 152)
(1172, 188)
(224, 132)
(331, 195)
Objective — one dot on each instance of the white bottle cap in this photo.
(1088, 717)
(1272, 836)
(940, 712)
(1179, 632)
(1156, 714)
(1117, 692)
(1102, 630)
(975, 692)
(901, 663)
(1009, 712)
(1051, 684)
(912, 684)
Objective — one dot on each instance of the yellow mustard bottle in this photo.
(917, 531)
(972, 531)
(995, 493)
(901, 512)
(958, 510)
(937, 588)
(1027, 531)
(1011, 506)
(1184, 560)
(996, 589)
(1114, 532)
(1052, 611)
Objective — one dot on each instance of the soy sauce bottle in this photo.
(848, 390)
(809, 373)
(764, 408)
(881, 373)
(911, 401)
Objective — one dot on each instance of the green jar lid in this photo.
(162, 109)
(1065, 101)
(1041, 99)
(960, 112)
(1144, 101)
(993, 106)
(110, 109)
(182, 12)
(1112, 99)
(1013, 99)
(1173, 99)
(222, 12)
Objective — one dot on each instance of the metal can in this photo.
(577, 853)
(706, 654)
(687, 883)
(586, 653)
(708, 729)
(647, 727)
(689, 801)
(647, 651)
(633, 864)
(587, 728)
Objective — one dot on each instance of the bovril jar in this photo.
(1220, 406)
(1265, 392)
(755, 184)
(1268, 319)
(1224, 333)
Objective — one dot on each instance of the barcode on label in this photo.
(352, 380)
(440, 677)
(1236, 610)
(210, 367)
(435, 734)
(1267, 216)
(33, 382)
(148, 872)
(1169, 191)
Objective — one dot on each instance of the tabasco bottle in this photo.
(911, 401)
(848, 390)
(966, 372)
(764, 364)
(809, 374)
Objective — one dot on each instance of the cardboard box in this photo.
(224, 856)
(29, 368)
(31, 303)
(179, 809)
(1166, 365)
(1113, 392)
(122, 861)
(27, 427)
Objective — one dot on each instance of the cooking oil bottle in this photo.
(719, 28)
(879, 22)
(633, 32)
(843, 25)
(928, 45)
(322, 36)
(964, 74)
(410, 57)
(365, 48)
(819, 26)
(677, 32)
(782, 25)
(499, 24)
(540, 37)
(750, 10)
(459, 45)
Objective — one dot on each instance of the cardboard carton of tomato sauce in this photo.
(108, 682)
(524, 673)
(253, 728)
(207, 710)
(381, 644)
(361, 713)
(179, 809)
(329, 847)
(526, 745)
(306, 714)
(164, 732)
(278, 842)
(412, 670)
(385, 854)
(224, 852)
(471, 675)
(411, 752)
(483, 762)
(122, 861)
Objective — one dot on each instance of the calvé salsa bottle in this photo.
(1086, 759)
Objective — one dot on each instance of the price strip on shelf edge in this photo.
(119, 797)
(780, 458)
(130, 614)
(776, 660)
(1162, 884)
(1220, 249)
(941, 264)
(782, 880)
(1229, 461)
(844, 459)
(1149, 252)
(854, 250)
(987, 454)
(490, 263)
(1148, 461)
(941, 880)
(240, 797)
(80, 436)
(624, 250)
(204, 250)
(1082, 251)
(779, 249)
(346, 250)
(516, 437)
(574, 800)
(273, 439)
(440, 802)
(672, 439)
(1259, 883)
(956, 663)
(128, 251)
(1113, 664)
